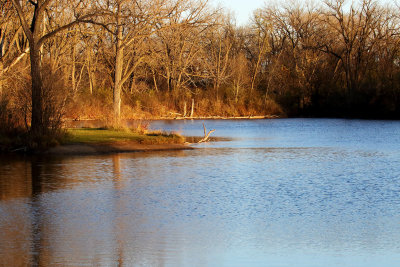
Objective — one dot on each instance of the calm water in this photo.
(295, 192)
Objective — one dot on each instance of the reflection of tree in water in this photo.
(44, 178)
(66, 211)
(25, 234)
(117, 221)
(20, 235)
(15, 178)
(15, 218)
(130, 213)
(36, 213)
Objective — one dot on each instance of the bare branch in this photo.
(206, 135)
(24, 23)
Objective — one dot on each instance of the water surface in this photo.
(291, 192)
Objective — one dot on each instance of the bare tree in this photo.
(241, 77)
(34, 17)
(260, 35)
(181, 45)
(12, 40)
(356, 30)
(219, 52)
(129, 24)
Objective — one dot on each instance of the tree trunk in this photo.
(73, 70)
(237, 86)
(91, 84)
(1, 77)
(132, 87)
(217, 76)
(154, 80)
(119, 60)
(192, 111)
(90, 72)
(169, 81)
(260, 54)
(37, 126)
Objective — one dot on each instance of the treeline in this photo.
(138, 58)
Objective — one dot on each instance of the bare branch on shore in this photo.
(206, 135)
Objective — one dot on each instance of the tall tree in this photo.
(356, 31)
(219, 52)
(34, 17)
(181, 42)
(129, 24)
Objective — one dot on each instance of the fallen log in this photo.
(206, 135)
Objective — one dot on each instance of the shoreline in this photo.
(91, 141)
(222, 118)
(257, 117)
(111, 148)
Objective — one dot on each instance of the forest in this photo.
(143, 59)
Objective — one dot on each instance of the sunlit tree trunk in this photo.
(73, 67)
(1, 76)
(261, 51)
(119, 61)
(90, 65)
(154, 80)
(37, 37)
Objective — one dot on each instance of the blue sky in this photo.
(243, 9)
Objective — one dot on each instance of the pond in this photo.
(286, 192)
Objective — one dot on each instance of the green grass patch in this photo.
(100, 135)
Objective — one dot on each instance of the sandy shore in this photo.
(115, 147)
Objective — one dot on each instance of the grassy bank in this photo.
(89, 141)
(100, 135)
(92, 137)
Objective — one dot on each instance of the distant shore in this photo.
(98, 122)
(179, 117)
(223, 118)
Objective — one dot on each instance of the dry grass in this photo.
(151, 104)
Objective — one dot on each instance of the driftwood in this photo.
(206, 135)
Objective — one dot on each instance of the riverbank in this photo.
(84, 141)
(112, 147)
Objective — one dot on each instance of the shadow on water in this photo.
(22, 182)
(30, 176)
(38, 200)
